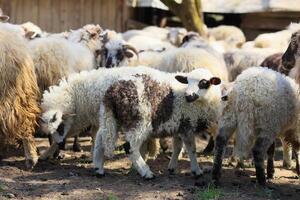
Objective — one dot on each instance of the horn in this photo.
(128, 46)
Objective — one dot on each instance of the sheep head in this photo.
(56, 123)
(116, 53)
(292, 54)
(199, 84)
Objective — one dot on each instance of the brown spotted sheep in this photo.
(261, 105)
(152, 104)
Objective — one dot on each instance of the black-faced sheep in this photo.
(261, 106)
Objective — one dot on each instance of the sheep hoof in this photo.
(286, 165)
(30, 164)
(197, 174)
(171, 171)
(99, 173)
(149, 176)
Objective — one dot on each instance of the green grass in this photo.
(109, 197)
(210, 193)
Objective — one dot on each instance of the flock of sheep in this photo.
(148, 84)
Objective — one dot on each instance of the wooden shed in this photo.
(61, 15)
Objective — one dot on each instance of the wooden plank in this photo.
(97, 12)
(55, 13)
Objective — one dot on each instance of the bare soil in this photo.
(73, 178)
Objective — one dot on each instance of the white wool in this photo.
(17, 29)
(260, 99)
(146, 43)
(76, 56)
(239, 60)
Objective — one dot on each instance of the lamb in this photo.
(19, 96)
(72, 106)
(151, 103)
(262, 105)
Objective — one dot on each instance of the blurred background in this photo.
(252, 16)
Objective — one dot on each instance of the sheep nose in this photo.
(192, 97)
(109, 62)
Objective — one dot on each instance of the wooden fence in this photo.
(61, 15)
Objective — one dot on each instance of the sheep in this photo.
(261, 105)
(291, 59)
(73, 104)
(89, 35)
(273, 62)
(231, 35)
(239, 60)
(144, 43)
(151, 103)
(19, 95)
(116, 53)
(32, 31)
(55, 58)
(282, 38)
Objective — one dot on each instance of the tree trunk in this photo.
(189, 12)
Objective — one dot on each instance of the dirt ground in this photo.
(73, 178)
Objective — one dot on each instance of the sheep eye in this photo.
(203, 84)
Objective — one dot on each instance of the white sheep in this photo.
(73, 105)
(239, 60)
(116, 53)
(151, 103)
(55, 58)
(278, 40)
(231, 35)
(261, 105)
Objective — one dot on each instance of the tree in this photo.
(189, 12)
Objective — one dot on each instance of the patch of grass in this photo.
(210, 193)
(112, 197)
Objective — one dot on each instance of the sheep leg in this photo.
(177, 146)
(139, 163)
(76, 145)
(30, 151)
(259, 151)
(221, 141)
(297, 156)
(50, 151)
(210, 146)
(93, 133)
(190, 145)
(98, 155)
(270, 165)
(287, 155)
(163, 144)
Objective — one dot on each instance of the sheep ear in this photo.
(30, 35)
(68, 115)
(182, 79)
(215, 81)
